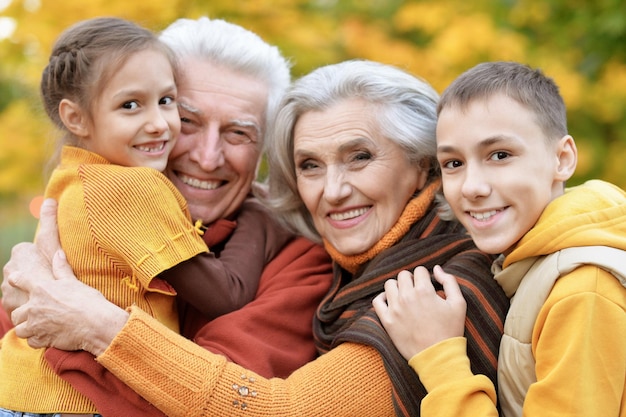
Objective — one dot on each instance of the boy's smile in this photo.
(499, 169)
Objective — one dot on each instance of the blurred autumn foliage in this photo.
(580, 43)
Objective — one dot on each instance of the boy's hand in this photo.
(415, 316)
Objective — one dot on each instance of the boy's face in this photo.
(499, 170)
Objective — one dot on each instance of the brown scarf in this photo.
(346, 314)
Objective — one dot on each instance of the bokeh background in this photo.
(580, 43)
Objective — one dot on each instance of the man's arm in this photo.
(272, 335)
(48, 305)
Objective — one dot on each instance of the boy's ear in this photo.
(74, 118)
(567, 158)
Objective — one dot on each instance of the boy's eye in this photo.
(130, 105)
(452, 164)
(497, 156)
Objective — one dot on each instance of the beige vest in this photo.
(529, 283)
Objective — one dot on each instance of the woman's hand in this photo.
(50, 307)
(415, 316)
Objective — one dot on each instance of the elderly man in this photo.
(231, 82)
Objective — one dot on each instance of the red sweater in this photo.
(272, 335)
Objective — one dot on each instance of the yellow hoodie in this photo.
(564, 349)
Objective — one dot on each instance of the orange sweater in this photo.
(119, 227)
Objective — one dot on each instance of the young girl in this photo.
(110, 86)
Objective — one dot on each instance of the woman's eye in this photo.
(362, 156)
(307, 165)
(130, 105)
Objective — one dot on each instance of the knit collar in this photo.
(414, 210)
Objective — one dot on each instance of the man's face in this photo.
(222, 122)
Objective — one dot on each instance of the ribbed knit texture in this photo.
(119, 227)
(187, 380)
(347, 315)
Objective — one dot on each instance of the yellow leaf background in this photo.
(579, 44)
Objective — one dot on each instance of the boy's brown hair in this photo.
(528, 86)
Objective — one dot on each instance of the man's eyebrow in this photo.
(189, 108)
(247, 123)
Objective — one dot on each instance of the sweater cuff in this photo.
(160, 365)
(442, 363)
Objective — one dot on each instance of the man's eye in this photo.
(237, 137)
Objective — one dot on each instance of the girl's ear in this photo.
(567, 158)
(74, 118)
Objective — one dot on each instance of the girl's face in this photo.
(135, 118)
(354, 181)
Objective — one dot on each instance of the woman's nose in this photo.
(336, 186)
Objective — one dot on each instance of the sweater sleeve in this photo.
(180, 378)
(453, 390)
(291, 288)
(222, 284)
(138, 216)
(579, 343)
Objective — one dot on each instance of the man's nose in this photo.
(208, 150)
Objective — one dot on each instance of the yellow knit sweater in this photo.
(119, 227)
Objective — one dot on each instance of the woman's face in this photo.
(353, 181)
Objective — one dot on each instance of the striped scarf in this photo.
(346, 314)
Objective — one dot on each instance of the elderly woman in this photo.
(352, 164)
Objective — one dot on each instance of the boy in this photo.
(505, 155)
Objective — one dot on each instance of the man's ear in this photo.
(567, 158)
(74, 118)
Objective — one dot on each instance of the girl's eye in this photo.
(497, 156)
(130, 105)
(166, 100)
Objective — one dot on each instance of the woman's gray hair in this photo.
(407, 116)
(233, 47)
